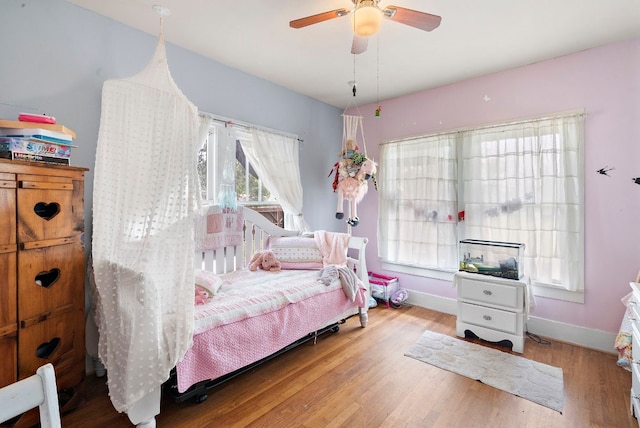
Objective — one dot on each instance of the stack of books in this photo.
(37, 142)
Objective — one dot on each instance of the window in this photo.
(518, 182)
(418, 202)
(226, 173)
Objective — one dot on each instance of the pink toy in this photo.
(353, 188)
(265, 260)
(202, 295)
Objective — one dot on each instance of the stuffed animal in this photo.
(353, 189)
(350, 148)
(202, 295)
(265, 260)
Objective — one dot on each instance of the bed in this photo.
(285, 308)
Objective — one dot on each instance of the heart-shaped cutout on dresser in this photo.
(46, 349)
(47, 278)
(47, 210)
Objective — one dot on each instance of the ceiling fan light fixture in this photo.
(366, 18)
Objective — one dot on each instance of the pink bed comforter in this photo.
(254, 315)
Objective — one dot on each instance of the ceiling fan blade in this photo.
(359, 44)
(314, 19)
(414, 18)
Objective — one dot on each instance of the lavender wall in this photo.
(605, 81)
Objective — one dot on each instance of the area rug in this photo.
(537, 382)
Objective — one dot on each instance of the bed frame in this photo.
(257, 230)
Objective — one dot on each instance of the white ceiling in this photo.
(475, 38)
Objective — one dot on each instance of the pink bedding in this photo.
(254, 315)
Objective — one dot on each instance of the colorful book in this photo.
(42, 134)
(35, 147)
(34, 158)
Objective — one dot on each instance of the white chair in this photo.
(38, 390)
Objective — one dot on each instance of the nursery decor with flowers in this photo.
(352, 171)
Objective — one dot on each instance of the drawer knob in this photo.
(486, 317)
(487, 292)
(47, 210)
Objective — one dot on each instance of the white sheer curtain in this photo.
(523, 183)
(275, 158)
(418, 202)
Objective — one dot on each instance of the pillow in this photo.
(296, 252)
(207, 285)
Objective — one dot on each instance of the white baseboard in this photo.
(569, 333)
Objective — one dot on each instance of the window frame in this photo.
(215, 160)
(441, 273)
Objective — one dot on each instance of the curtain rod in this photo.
(568, 113)
(247, 126)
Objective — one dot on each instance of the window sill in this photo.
(539, 290)
(542, 290)
(446, 275)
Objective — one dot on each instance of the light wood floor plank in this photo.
(361, 378)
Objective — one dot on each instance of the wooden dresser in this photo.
(42, 272)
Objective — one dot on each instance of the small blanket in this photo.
(348, 279)
(333, 246)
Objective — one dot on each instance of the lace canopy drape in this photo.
(145, 195)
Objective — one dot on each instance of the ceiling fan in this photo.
(366, 17)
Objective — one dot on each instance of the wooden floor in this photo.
(360, 378)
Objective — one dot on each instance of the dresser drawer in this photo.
(505, 295)
(55, 340)
(49, 278)
(45, 210)
(483, 316)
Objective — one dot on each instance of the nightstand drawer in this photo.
(504, 295)
(483, 316)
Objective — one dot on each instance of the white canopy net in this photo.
(144, 198)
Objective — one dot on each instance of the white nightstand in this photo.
(494, 309)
